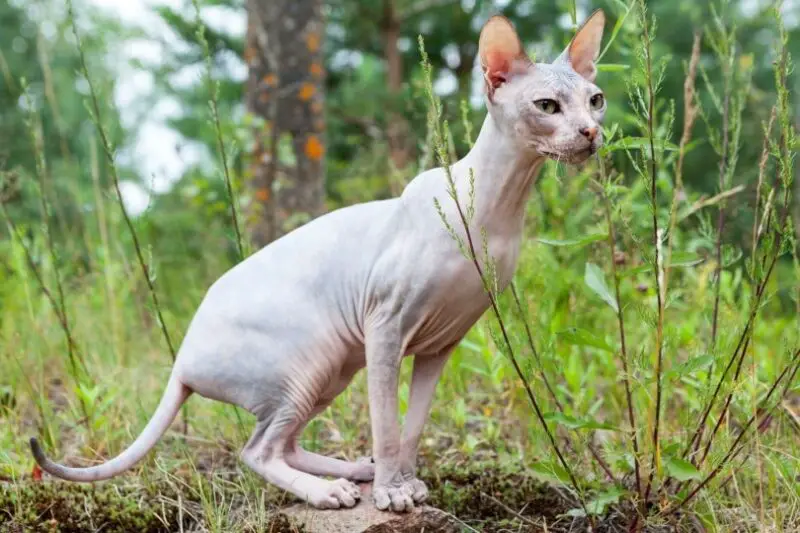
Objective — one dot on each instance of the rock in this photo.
(365, 518)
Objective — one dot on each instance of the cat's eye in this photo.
(548, 106)
(597, 102)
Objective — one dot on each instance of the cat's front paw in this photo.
(419, 491)
(397, 488)
(397, 497)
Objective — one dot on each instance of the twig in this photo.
(510, 510)
(717, 198)
(532, 346)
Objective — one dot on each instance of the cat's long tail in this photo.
(171, 402)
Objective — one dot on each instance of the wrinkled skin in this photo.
(283, 333)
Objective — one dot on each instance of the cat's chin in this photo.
(571, 158)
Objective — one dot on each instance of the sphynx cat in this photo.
(282, 333)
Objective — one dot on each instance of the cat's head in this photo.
(554, 109)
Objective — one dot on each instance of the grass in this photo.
(605, 364)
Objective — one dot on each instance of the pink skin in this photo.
(283, 333)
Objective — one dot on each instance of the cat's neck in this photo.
(503, 174)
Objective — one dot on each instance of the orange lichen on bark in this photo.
(307, 91)
(312, 42)
(316, 70)
(270, 79)
(249, 54)
(262, 195)
(314, 149)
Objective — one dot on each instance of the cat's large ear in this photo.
(583, 50)
(501, 52)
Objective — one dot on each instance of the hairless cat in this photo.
(282, 333)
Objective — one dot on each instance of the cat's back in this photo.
(316, 263)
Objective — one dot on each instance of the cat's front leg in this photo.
(384, 350)
(426, 374)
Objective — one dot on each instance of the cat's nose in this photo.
(589, 133)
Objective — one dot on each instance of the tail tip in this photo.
(36, 448)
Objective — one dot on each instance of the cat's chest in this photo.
(456, 297)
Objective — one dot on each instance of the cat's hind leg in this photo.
(312, 463)
(265, 453)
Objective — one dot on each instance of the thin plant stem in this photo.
(656, 243)
(621, 327)
(109, 151)
(592, 448)
(213, 91)
(762, 167)
(690, 110)
(735, 449)
(762, 289)
(34, 132)
(102, 225)
(72, 347)
(784, 168)
(532, 346)
(723, 164)
(693, 444)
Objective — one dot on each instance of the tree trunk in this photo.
(397, 126)
(285, 179)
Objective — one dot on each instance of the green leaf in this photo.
(612, 67)
(573, 12)
(596, 281)
(570, 422)
(635, 270)
(469, 345)
(594, 237)
(691, 366)
(551, 471)
(598, 504)
(581, 337)
(627, 143)
(679, 259)
(681, 469)
(615, 31)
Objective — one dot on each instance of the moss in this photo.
(111, 507)
(68, 507)
(472, 494)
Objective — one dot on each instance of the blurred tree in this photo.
(285, 88)
(36, 46)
